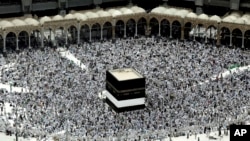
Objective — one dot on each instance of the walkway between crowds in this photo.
(66, 54)
(227, 73)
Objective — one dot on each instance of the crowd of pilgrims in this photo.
(179, 99)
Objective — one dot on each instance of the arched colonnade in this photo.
(74, 31)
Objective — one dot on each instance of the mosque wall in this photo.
(132, 21)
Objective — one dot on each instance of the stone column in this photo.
(218, 35)
(148, 29)
(206, 38)
(125, 33)
(136, 29)
(170, 30)
(101, 33)
(199, 31)
(42, 37)
(243, 40)
(182, 33)
(50, 34)
(4, 43)
(66, 37)
(113, 32)
(194, 33)
(90, 35)
(17, 45)
(54, 35)
(218, 40)
(211, 33)
(29, 42)
(159, 29)
(78, 33)
(230, 39)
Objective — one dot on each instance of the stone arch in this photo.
(154, 26)
(96, 32)
(1, 43)
(187, 30)
(35, 38)
(142, 26)
(200, 31)
(130, 28)
(165, 28)
(59, 36)
(72, 34)
(11, 41)
(119, 28)
(49, 36)
(141, 17)
(84, 33)
(60, 27)
(130, 19)
(211, 33)
(225, 36)
(237, 37)
(71, 26)
(176, 29)
(107, 30)
(247, 40)
(23, 39)
(175, 21)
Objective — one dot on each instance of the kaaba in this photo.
(125, 89)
